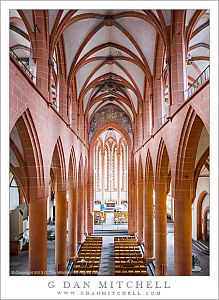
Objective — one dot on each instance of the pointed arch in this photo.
(72, 206)
(80, 199)
(58, 165)
(140, 199)
(199, 214)
(161, 189)
(184, 191)
(187, 149)
(72, 171)
(162, 164)
(149, 209)
(206, 211)
(198, 168)
(149, 174)
(31, 160)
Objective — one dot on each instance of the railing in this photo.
(71, 119)
(199, 81)
(55, 106)
(26, 70)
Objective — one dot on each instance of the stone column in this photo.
(85, 210)
(160, 231)
(103, 175)
(177, 61)
(90, 194)
(182, 234)
(80, 199)
(140, 209)
(149, 224)
(72, 223)
(42, 53)
(38, 237)
(60, 240)
(158, 87)
(131, 197)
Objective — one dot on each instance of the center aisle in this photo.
(107, 257)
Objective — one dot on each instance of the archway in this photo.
(206, 224)
(26, 164)
(149, 210)
(189, 153)
(72, 206)
(162, 184)
(140, 195)
(59, 181)
(199, 214)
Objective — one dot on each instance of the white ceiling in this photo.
(189, 14)
(144, 34)
(202, 36)
(74, 35)
(141, 31)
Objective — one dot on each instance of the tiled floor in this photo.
(19, 264)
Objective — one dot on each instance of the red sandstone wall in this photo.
(49, 125)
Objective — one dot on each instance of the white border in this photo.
(36, 287)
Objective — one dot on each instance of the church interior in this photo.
(109, 142)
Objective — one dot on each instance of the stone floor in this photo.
(107, 257)
(19, 264)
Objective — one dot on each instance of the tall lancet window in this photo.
(106, 167)
(111, 165)
(99, 168)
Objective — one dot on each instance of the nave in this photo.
(109, 130)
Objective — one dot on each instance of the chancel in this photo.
(109, 144)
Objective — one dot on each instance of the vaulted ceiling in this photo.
(110, 54)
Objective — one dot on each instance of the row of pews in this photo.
(88, 260)
(128, 257)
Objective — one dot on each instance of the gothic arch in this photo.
(31, 164)
(187, 150)
(140, 199)
(58, 165)
(199, 214)
(80, 198)
(206, 211)
(184, 190)
(161, 190)
(149, 209)
(72, 206)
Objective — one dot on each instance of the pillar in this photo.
(103, 176)
(90, 198)
(60, 240)
(131, 198)
(72, 223)
(42, 53)
(148, 224)
(160, 231)
(177, 61)
(80, 199)
(158, 86)
(140, 210)
(38, 237)
(85, 210)
(182, 234)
